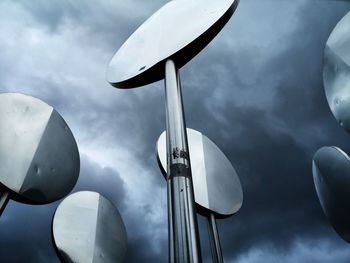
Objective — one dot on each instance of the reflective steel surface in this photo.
(179, 30)
(214, 239)
(331, 173)
(216, 185)
(4, 198)
(336, 73)
(39, 158)
(87, 228)
(182, 218)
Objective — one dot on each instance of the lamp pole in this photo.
(182, 220)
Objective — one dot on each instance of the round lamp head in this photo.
(217, 188)
(336, 72)
(39, 158)
(331, 173)
(87, 228)
(179, 30)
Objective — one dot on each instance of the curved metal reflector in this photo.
(39, 158)
(216, 185)
(87, 228)
(180, 30)
(331, 173)
(336, 72)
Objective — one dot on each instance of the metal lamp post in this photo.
(183, 234)
(165, 42)
(217, 189)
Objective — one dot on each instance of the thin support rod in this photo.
(184, 243)
(4, 199)
(214, 240)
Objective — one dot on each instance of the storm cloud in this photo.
(256, 91)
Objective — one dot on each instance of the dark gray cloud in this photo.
(272, 139)
(256, 91)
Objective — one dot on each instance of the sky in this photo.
(256, 91)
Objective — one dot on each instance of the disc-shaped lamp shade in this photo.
(336, 73)
(39, 158)
(331, 173)
(87, 228)
(217, 188)
(179, 30)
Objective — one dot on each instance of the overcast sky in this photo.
(256, 91)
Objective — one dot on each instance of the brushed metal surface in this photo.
(184, 242)
(87, 228)
(331, 174)
(179, 30)
(336, 73)
(216, 185)
(214, 240)
(39, 158)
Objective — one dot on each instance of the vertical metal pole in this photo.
(214, 240)
(4, 199)
(184, 243)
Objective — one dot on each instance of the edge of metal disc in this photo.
(332, 194)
